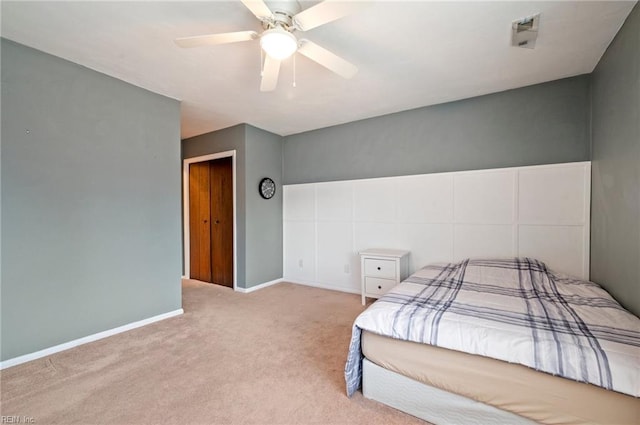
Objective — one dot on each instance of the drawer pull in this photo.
(379, 287)
(379, 268)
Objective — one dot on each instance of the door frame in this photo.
(185, 208)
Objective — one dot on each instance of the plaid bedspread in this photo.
(514, 310)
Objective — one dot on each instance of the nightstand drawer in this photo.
(380, 268)
(374, 285)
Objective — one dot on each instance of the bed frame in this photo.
(565, 187)
(431, 404)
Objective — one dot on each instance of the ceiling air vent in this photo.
(524, 32)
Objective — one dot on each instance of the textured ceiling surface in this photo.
(409, 54)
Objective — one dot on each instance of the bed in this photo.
(498, 341)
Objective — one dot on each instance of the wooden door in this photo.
(200, 221)
(222, 222)
(211, 221)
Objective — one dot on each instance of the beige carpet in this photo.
(274, 356)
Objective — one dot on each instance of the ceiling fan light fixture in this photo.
(278, 43)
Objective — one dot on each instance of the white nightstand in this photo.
(382, 269)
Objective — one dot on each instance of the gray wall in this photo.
(264, 216)
(232, 138)
(615, 205)
(545, 123)
(90, 202)
(259, 221)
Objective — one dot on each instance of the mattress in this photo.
(539, 396)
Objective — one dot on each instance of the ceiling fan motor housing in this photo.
(282, 15)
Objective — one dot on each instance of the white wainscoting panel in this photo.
(563, 189)
(335, 201)
(427, 242)
(300, 238)
(374, 200)
(425, 198)
(484, 197)
(374, 235)
(560, 247)
(537, 211)
(299, 204)
(483, 240)
(335, 254)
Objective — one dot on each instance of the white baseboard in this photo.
(260, 286)
(84, 340)
(323, 285)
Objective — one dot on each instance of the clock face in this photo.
(267, 188)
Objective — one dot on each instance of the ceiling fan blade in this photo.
(325, 12)
(327, 59)
(270, 74)
(213, 39)
(258, 8)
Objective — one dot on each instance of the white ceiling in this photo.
(409, 54)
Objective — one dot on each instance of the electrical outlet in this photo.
(300, 263)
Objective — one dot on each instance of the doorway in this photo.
(209, 219)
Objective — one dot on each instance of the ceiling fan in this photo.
(278, 40)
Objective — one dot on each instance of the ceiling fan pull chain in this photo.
(294, 70)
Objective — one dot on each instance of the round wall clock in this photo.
(267, 188)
